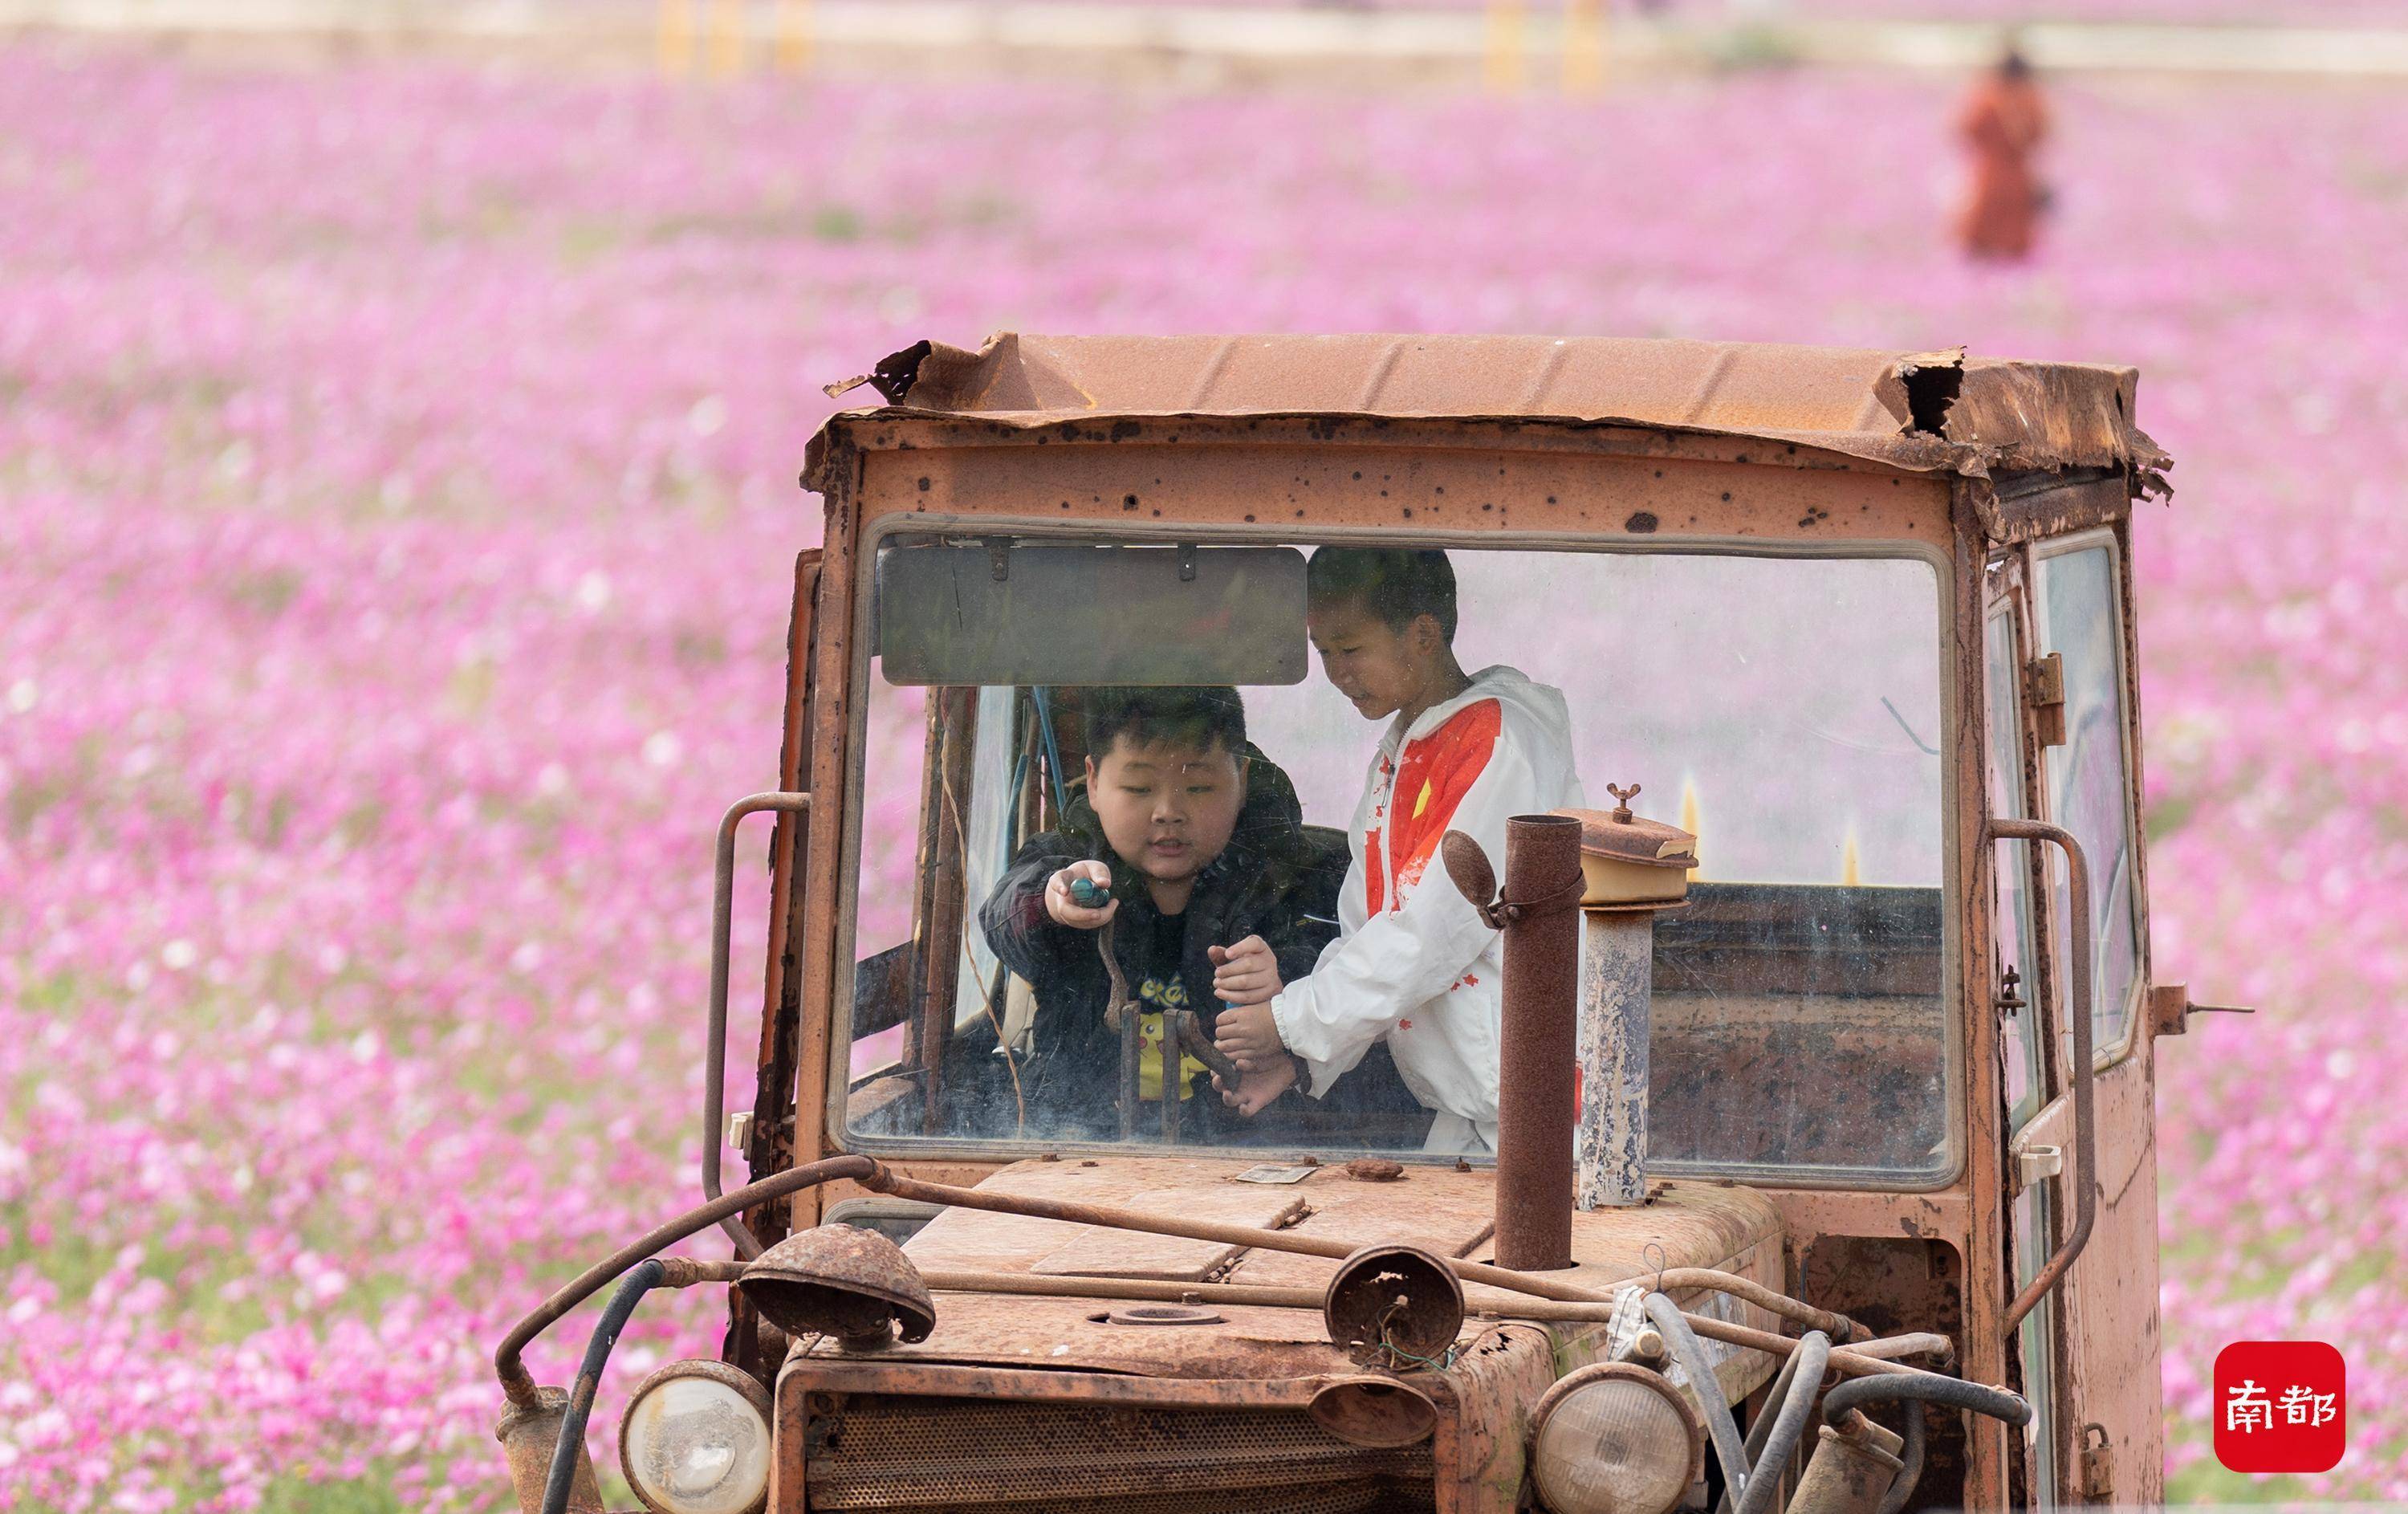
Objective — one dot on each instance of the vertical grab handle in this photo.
(2086, 1136)
(714, 1055)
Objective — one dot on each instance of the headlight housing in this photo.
(1614, 1439)
(695, 1440)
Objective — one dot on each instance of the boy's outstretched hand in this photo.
(1245, 973)
(1246, 1034)
(1258, 1086)
(1069, 911)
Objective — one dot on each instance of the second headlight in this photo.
(1614, 1439)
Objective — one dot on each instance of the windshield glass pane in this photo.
(2088, 790)
(1265, 853)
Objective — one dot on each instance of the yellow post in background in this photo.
(1690, 823)
(1851, 865)
(726, 38)
(676, 38)
(1584, 47)
(794, 29)
(1501, 66)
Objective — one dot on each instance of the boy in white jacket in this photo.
(1413, 962)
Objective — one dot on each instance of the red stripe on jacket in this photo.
(1437, 772)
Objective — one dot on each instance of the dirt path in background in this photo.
(1542, 46)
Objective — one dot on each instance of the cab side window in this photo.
(2020, 1049)
(2089, 791)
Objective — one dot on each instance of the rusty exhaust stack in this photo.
(1537, 1078)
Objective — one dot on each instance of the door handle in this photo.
(2086, 1134)
(714, 1057)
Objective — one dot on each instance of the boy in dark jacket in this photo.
(1198, 839)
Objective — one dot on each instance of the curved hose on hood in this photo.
(1928, 1388)
(1910, 1472)
(1705, 1386)
(1788, 1423)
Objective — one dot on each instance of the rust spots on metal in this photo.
(1394, 1307)
(1468, 866)
(1197, 1043)
(1539, 1051)
(1374, 1411)
(529, 1432)
(1918, 410)
(1374, 1170)
(953, 1438)
(838, 1280)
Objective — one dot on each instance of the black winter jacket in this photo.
(1270, 876)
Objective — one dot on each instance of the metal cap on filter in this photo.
(1626, 837)
(838, 1281)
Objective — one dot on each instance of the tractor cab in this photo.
(1794, 1020)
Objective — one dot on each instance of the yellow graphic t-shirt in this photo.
(1161, 993)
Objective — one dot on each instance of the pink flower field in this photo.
(396, 507)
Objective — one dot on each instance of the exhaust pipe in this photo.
(1537, 1073)
(1576, 1021)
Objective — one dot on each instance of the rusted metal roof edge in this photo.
(1907, 453)
(1915, 412)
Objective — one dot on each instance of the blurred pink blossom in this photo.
(396, 490)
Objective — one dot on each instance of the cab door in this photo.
(2108, 1435)
(2018, 1000)
(2113, 1431)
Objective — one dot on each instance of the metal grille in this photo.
(880, 1450)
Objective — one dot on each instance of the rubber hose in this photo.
(1763, 1427)
(1720, 1426)
(615, 1314)
(1929, 1388)
(1910, 1472)
(1812, 1355)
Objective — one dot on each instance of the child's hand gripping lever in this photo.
(1246, 978)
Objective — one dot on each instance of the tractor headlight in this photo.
(1614, 1439)
(695, 1440)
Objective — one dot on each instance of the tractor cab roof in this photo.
(1939, 412)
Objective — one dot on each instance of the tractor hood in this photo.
(1447, 1210)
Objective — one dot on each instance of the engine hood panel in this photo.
(1439, 1209)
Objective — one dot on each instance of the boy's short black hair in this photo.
(1396, 587)
(1186, 716)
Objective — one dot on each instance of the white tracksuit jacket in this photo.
(1413, 961)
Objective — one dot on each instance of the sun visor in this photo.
(1000, 613)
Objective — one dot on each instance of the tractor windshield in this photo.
(1129, 812)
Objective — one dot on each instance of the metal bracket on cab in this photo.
(2038, 1164)
(2171, 1009)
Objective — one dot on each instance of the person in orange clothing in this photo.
(2002, 123)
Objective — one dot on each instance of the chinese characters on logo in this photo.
(2247, 1407)
(2280, 1406)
